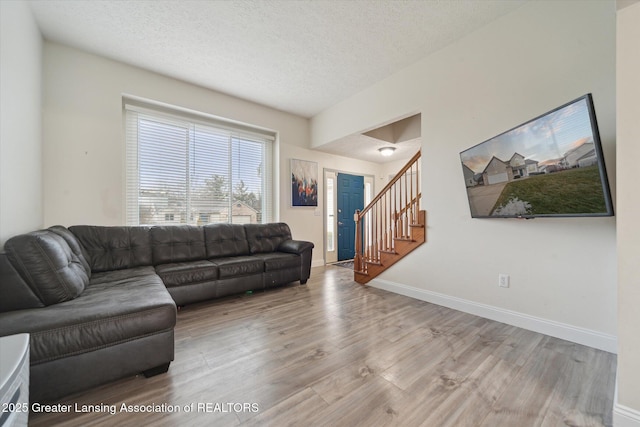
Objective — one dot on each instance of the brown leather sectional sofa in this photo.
(93, 296)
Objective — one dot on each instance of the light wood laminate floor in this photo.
(335, 353)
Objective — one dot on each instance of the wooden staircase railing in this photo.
(391, 226)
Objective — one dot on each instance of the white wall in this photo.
(83, 129)
(628, 153)
(20, 121)
(563, 271)
(84, 139)
(390, 169)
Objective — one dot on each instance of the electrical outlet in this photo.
(503, 280)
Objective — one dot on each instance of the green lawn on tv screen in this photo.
(574, 191)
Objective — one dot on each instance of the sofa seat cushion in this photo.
(238, 266)
(108, 312)
(279, 261)
(186, 273)
(117, 276)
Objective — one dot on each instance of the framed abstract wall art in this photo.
(304, 183)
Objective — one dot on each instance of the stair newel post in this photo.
(357, 259)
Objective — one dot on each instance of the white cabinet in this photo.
(14, 380)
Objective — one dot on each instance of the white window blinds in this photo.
(183, 169)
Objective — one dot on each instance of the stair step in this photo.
(391, 252)
(403, 239)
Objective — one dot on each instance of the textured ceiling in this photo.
(296, 56)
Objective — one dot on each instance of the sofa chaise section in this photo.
(120, 320)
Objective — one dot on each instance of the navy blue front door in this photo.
(350, 197)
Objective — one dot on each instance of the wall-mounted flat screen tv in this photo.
(551, 166)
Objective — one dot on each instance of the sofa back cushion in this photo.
(114, 248)
(47, 264)
(266, 237)
(177, 243)
(225, 240)
(75, 246)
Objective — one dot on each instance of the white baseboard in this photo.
(564, 331)
(317, 263)
(625, 417)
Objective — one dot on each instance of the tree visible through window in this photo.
(188, 172)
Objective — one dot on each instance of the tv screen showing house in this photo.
(549, 166)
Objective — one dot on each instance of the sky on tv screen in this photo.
(544, 139)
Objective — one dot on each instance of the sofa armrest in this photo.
(295, 246)
(304, 250)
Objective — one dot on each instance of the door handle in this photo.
(340, 223)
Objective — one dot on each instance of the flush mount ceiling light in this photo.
(387, 151)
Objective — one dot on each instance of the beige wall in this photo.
(628, 153)
(84, 139)
(563, 271)
(20, 121)
(83, 129)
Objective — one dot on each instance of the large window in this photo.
(185, 169)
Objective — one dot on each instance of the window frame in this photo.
(241, 133)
